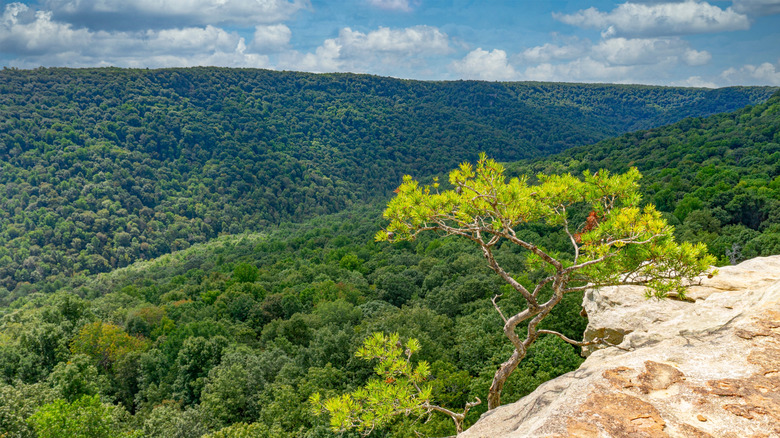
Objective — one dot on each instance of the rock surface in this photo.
(705, 368)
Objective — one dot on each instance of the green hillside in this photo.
(103, 167)
(221, 332)
(718, 177)
(245, 328)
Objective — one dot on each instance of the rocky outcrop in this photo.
(708, 367)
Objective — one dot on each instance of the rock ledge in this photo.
(707, 368)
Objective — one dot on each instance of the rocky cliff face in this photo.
(706, 368)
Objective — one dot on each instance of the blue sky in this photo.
(666, 42)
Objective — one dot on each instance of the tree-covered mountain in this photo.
(103, 167)
(718, 177)
(229, 335)
(244, 328)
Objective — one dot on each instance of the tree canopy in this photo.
(100, 168)
(150, 281)
(619, 242)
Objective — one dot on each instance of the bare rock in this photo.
(705, 368)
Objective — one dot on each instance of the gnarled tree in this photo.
(620, 242)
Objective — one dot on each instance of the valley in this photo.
(193, 249)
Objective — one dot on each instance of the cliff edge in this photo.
(705, 368)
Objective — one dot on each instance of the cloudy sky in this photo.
(690, 42)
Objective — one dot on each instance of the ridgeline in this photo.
(103, 167)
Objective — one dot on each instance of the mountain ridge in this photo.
(102, 167)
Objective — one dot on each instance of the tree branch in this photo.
(571, 237)
(498, 309)
(595, 341)
(532, 303)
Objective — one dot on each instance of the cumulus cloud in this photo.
(46, 42)
(355, 51)
(585, 69)
(481, 64)
(549, 52)
(408, 41)
(757, 7)
(393, 5)
(620, 51)
(696, 57)
(271, 38)
(638, 51)
(662, 19)
(142, 14)
(24, 31)
(695, 81)
(763, 74)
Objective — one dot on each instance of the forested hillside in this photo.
(229, 335)
(718, 178)
(103, 167)
(243, 329)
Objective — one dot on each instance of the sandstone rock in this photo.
(706, 368)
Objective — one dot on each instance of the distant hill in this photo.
(717, 177)
(102, 167)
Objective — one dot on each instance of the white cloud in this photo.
(763, 74)
(358, 52)
(626, 60)
(408, 41)
(327, 58)
(663, 19)
(549, 52)
(271, 38)
(393, 5)
(638, 51)
(189, 41)
(757, 7)
(24, 31)
(585, 69)
(696, 57)
(620, 52)
(481, 64)
(182, 12)
(49, 43)
(695, 81)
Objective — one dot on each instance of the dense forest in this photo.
(243, 329)
(190, 253)
(103, 167)
(717, 178)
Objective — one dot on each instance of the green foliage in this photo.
(718, 176)
(209, 330)
(100, 168)
(618, 243)
(86, 417)
(18, 403)
(196, 358)
(243, 430)
(76, 378)
(245, 273)
(400, 390)
(105, 343)
(168, 420)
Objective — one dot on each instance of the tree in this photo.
(86, 417)
(619, 242)
(400, 390)
(76, 378)
(105, 343)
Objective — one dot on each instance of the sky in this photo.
(660, 42)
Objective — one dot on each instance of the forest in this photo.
(100, 168)
(717, 178)
(190, 252)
